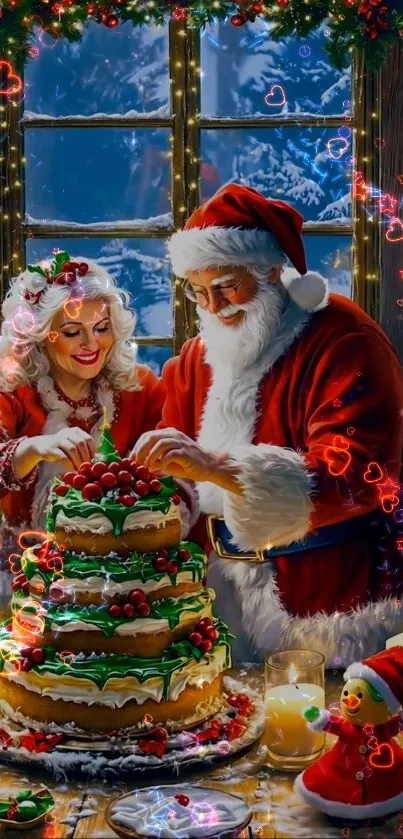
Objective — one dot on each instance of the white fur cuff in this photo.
(275, 507)
(321, 722)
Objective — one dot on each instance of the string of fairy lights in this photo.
(372, 25)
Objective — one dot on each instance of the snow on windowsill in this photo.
(164, 222)
(160, 113)
(285, 115)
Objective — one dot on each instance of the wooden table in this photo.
(277, 812)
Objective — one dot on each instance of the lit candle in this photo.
(287, 732)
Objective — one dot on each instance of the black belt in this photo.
(222, 539)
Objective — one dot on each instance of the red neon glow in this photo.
(373, 473)
(394, 232)
(30, 534)
(337, 456)
(382, 757)
(387, 204)
(12, 81)
(73, 307)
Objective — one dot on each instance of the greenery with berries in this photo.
(371, 25)
(26, 805)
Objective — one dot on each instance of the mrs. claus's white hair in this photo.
(26, 326)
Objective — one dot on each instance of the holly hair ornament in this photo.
(361, 777)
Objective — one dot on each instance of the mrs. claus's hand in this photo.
(171, 452)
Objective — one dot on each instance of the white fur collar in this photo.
(230, 410)
(57, 419)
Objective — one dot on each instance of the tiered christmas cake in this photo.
(112, 626)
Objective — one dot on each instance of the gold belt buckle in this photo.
(222, 553)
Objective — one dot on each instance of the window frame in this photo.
(186, 124)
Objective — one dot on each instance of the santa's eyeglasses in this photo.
(202, 296)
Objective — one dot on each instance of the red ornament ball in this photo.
(238, 20)
(111, 21)
(256, 8)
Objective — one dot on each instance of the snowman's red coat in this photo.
(333, 373)
(361, 776)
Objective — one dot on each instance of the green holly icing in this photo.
(119, 569)
(73, 504)
(169, 609)
(100, 668)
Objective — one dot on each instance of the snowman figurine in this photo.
(361, 777)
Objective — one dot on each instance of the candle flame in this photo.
(292, 675)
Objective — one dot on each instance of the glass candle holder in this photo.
(295, 681)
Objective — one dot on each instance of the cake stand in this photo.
(114, 757)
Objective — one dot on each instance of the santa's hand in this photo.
(311, 714)
(169, 451)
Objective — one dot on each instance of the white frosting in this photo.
(108, 587)
(155, 812)
(99, 524)
(117, 691)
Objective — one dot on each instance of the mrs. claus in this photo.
(288, 413)
(66, 353)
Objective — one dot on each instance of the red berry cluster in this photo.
(38, 741)
(163, 564)
(204, 635)
(50, 557)
(29, 657)
(182, 799)
(19, 583)
(155, 742)
(218, 730)
(242, 703)
(123, 478)
(136, 605)
(12, 813)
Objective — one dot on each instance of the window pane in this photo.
(111, 71)
(239, 67)
(138, 265)
(155, 357)
(97, 174)
(298, 165)
(332, 256)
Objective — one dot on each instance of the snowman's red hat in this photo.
(384, 671)
(239, 226)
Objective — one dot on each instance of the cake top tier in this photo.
(110, 486)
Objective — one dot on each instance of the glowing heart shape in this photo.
(275, 98)
(389, 502)
(73, 307)
(14, 562)
(337, 146)
(400, 302)
(372, 743)
(382, 757)
(351, 430)
(52, 335)
(11, 80)
(338, 460)
(368, 729)
(394, 232)
(374, 473)
(340, 442)
(400, 179)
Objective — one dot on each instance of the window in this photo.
(124, 132)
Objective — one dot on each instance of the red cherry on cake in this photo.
(155, 485)
(115, 611)
(172, 568)
(124, 477)
(195, 638)
(141, 488)
(38, 656)
(92, 492)
(211, 634)
(183, 555)
(98, 469)
(25, 665)
(62, 489)
(158, 733)
(176, 499)
(127, 500)
(126, 463)
(182, 799)
(137, 595)
(114, 467)
(142, 472)
(108, 480)
(143, 609)
(85, 469)
(25, 652)
(68, 478)
(204, 624)
(79, 482)
(128, 610)
(161, 564)
(205, 646)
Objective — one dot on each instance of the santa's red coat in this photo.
(361, 776)
(325, 397)
(23, 414)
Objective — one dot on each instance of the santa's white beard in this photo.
(239, 346)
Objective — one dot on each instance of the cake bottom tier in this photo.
(192, 706)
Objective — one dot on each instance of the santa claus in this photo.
(287, 412)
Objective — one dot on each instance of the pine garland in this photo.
(370, 25)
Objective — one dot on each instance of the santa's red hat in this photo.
(384, 671)
(239, 226)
